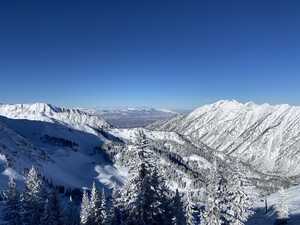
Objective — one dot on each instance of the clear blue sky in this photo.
(173, 54)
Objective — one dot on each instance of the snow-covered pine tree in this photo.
(133, 199)
(52, 212)
(144, 196)
(212, 212)
(239, 198)
(33, 199)
(282, 210)
(117, 206)
(192, 211)
(96, 209)
(85, 211)
(12, 205)
(223, 196)
(162, 199)
(103, 205)
(109, 213)
(178, 210)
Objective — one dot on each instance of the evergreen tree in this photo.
(33, 199)
(239, 198)
(193, 214)
(162, 198)
(12, 205)
(52, 212)
(282, 210)
(96, 209)
(145, 196)
(108, 213)
(85, 211)
(178, 210)
(103, 205)
(223, 196)
(212, 212)
(118, 207)
(192, 210)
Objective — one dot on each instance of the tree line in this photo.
(145, 199)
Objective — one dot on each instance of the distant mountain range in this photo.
(135, 117)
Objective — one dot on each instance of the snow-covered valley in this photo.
(74, 148)
(132, 117)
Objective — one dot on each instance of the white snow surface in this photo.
(132, 134)
(61, 143)
(293, 203)
(267, 136)
(74, 118)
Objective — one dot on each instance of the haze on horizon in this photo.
(163, 54)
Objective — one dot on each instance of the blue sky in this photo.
(171, 54)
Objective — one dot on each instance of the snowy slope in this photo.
(266, 136)
(185, 163)
(16, 154)
(66, 156)
(71, 142)
(131, 134)
(75, 147)
(73, 118)
(292, 201)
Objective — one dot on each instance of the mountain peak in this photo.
(263, 134)
(75, 118)
(228, 103)
(43, 107)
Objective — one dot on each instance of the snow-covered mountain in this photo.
(65, 144)
(16, 154)
(185, 163)
(135, 117)
(70, 146)
(73, 118)
(74, 147)
(66, 156)
(267, 136)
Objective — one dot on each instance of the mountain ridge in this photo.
(72, 117)
(265, 135)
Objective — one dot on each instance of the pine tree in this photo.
(108, 213)
(52, 212)
(96, 209)
(224, 197)
(282, 210)
(118, 207)
(162, 198)
(85, 211)
(178, 210)
(212, 212)
(145, 196)
(192, 211)
(130, 201)
(239, 198)
(12, 205)
(103, 205)
(33, 199)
